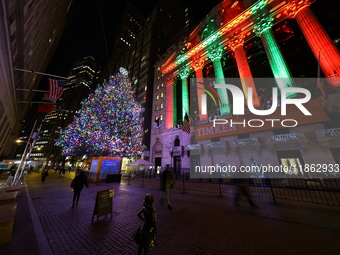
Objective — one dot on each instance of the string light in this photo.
(108, 123)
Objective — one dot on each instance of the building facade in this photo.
(29, 34)
(160, 28)
(82, 81)
(130, 25)
(248, 40)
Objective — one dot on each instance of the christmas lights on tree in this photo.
(108, 123)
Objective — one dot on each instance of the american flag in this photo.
(324, 96)
(55, 88)
(186, 124)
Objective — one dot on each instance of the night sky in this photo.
(84, 33)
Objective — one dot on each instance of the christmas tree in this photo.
(108, 123)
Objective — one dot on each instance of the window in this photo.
(162, 94)
(157, 97)
(177, 142)
(281, 131)
(161, 117)
(243, 136)
(334, 120)
(162, 105)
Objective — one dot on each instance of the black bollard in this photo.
(143, 178)
(219, 188)
(183, 192)
(271, 189)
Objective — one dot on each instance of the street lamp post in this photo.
(22, 165)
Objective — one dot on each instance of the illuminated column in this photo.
(320, 43)
(275, 57)
(198, 66)
(170, 114)
(236, 44)
(184, 73)
(215, 55)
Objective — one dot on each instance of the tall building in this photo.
(131, 23)
(248, 40)
(161, 26)
(29, 34)
(81, 81)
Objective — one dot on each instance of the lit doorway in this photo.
(177, 164)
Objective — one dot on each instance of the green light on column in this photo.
(276, 60)
(184, 73)
(223, 93)
(215, 55)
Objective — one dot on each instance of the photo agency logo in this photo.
(233, 120)
(278, 98)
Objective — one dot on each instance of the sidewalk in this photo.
(200, 223)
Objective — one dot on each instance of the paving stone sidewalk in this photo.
(200, 223)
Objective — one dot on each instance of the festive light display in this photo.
(184, 73)
(108, 123)
(170, 105)
(276, 60)
(245, 73)
(215, 54)
(227, 28)
(322, 46)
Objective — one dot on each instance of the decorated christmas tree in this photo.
(108, 123)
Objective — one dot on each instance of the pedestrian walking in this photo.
(168, 184)
(44, 174)
(78, 170)
(62, 171)
(242, 189)
(78, 184)
(145, 236)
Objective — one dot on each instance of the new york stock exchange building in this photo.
(282, 110)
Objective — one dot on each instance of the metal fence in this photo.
(319, 191)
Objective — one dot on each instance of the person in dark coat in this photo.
(145, 235)
(242, 189)
(44, 174)
(168, 184)
(78, 184)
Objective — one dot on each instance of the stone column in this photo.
(184, 73)
(276, 60)
(215, 55)
(321, 45)
(198, 66)
(170, 106)
(236, 44)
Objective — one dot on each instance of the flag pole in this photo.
(33, 102)
(317, 85)
(34, 90)
(31, 71)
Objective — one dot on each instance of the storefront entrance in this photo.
(158, 165)
(177, 164)
(292, 160)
